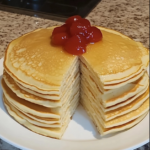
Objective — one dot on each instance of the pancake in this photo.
(29, 107)
(129, 116)
(41, 82)
(133, 79)
(119, 111)
(126, 92)
(44, 123)
(67, 85)
(33, 98)
(26, 62)
(127, 108)
(46, 131)
(113, 59)
(117, 120)
(73, 106)
(32, 121)
(108, 88)
(124, 103)
(116, 98)
(123, 127)
(104, 131)
(114, 84)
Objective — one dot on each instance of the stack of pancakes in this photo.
(115, 83)
(40, 83)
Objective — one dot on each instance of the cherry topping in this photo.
(75, 35)
(72, 19)
(60, 38)
(80, 27)
(76, 45)
(85, 22)
(60, 29)
(94, 35)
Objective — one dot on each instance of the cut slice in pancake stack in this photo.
(114, 82)
(40, 83)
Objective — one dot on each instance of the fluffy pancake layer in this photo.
(47, 131)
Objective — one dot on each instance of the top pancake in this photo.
(35, 62)
(116, 57)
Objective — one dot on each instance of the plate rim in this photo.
(25, 148)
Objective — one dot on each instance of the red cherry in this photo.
(60, 38)
(64, 26)
(72, 19)
(60, 29)
(76, 45)
(82, 39)
(94, 35)
(85, 22)
(80, 27)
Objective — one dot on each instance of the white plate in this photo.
(81, 134)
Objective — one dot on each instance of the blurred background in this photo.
(52, 9)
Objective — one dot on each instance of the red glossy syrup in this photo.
(72, 19)
(75, 34)
(60, 29)
(94, 35)
(80, 27)
(76, 45)
(60, 38)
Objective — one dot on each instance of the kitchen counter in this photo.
(129, 17)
